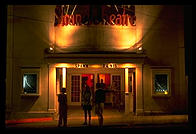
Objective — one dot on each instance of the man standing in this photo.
(62, 99)
(99, 103)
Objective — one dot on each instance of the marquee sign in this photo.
(123, 15)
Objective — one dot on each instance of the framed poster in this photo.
(161, 82)
(30, 82)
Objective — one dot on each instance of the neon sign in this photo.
(100, 14)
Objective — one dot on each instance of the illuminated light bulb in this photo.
(51, 49)
(166, 92)
(140, 48)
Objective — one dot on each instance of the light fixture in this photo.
(50, 49)
(140, 48)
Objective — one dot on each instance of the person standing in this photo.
(62, 99)
(99, 103)
(86, 102)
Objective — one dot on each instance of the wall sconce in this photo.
(50, 49)
(140, 50)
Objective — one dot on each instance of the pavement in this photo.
(113, 119)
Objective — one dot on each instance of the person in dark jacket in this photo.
(62, 99)
(99, 103)
(86, 102)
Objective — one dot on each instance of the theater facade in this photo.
(136, 50)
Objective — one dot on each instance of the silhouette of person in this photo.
(86, 102)
(99, 103)
(102, 84)
(62, 99)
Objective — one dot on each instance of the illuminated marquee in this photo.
(89, 14)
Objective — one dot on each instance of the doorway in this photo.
(113, 79)
(89, 80)
(132, 89)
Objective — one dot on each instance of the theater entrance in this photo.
(114, 80)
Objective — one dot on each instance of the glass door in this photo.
(89, 80)
(75, 89)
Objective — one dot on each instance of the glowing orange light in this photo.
(102, 76)
(128, 65)
(126, 80)
(67, 65)
(96, 66)
(123, 37)
(64, 77)
(64, 36)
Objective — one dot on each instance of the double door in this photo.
(75, 80)
(113, 98)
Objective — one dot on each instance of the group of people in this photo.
(87, 104)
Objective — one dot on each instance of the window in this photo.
(30, 82)
(161, 82)
(75, 88)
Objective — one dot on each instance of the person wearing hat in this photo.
(62, 99)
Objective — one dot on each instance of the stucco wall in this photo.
(164, 46)
(27, 37)
(159, 29)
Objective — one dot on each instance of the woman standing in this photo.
(86, 102)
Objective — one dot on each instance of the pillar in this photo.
(51, 90)
(64, 77)
(139, 90)
(127, 98)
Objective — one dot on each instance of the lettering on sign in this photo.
(95, 14)
(110, 65)
(81, 65)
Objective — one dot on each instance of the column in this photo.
(127, 102)
(64, 77)
(52, 87)
(139, 92)
(131, 93)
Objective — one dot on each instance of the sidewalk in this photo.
(112, 118)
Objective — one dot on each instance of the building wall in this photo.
(166, 35)
(159, 29)
(27, 38)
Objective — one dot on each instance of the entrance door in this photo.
(77, 82)
(104, 79)
(132, 90)
(89, 80)
(134, 93)
(75, 90)
(118, 99)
